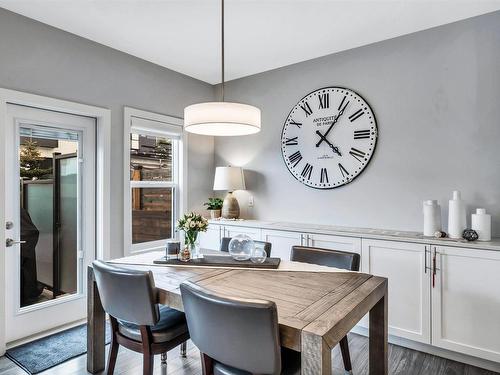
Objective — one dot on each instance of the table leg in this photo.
(316, 355)
(378, 337)
(96, 326)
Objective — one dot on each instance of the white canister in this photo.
(481, 223)
(432, 217)
(457, 220)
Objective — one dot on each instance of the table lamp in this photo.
(229, 179)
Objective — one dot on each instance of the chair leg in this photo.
(344, 348)
(207, 364)
(164, 358)
(149, 363)
(113, 347)
(183, 349)
(113, 353)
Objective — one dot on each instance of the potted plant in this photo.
(214, 205)
(191, 224)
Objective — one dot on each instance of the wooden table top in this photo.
(326, 304)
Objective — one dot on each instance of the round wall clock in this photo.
(329, 137)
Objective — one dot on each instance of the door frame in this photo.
(103, 169)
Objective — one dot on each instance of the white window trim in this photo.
(181, 204)
(103, 170)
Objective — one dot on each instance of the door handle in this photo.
(10, 242)
(425, 260)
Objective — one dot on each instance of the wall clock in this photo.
(329, 137)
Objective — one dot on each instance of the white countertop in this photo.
(380, 234)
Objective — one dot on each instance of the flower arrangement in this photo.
(191, 224)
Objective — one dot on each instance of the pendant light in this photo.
(222, 118)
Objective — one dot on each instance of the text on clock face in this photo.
(329, 137)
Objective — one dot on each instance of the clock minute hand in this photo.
(342, 110)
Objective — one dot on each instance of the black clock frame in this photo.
(374, 146)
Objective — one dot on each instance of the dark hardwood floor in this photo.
(402, 361)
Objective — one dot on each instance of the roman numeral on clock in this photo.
(324, 100)
(292, 141)
(324, 176)
(361, 134)
(306, 172)
(343, 171)
(297, 124)
(357, 154)
(295, 158)
(307, 108)
(356, 115)
(343, 106)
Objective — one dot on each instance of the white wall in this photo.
(436, 96)
(40, 59)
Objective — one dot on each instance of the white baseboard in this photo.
(454, 356)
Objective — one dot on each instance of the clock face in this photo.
(329, 137)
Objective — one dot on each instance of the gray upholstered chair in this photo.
(224, 245)
(236, 336)
(330, 258)
(137, 321)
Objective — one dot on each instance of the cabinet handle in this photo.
(434, 268)
(425, 260)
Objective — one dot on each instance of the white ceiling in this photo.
(184, 35)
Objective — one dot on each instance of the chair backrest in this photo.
(128, 295)
(326, 257)
(240, 333)
(224, 245)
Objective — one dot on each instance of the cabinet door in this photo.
(211, 238)
(282, 242)
(340, 243)
(466, 301)
(404, 264)
(234, 230)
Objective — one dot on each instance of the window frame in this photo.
(164, 126)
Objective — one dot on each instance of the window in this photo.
(153, 179)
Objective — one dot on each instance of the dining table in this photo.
(317, 305)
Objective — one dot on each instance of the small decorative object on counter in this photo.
(259, 255)
(214, 206)
(241, 247)
(191, 224)
(440, 234)
(481, 223)
(185, 255)
(457, 221)
(432, 217)
(173, 248)
(470, 235)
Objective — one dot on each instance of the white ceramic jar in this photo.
(481, 223)
(432, 217)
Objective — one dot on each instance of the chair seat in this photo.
(290, 362)
(172, 324)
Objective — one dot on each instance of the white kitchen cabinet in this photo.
(211, 238)
(404, 264)
(282, 242)
(466, 301)
(341, 243)
(231, 231)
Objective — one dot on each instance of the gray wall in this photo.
(436, 96)
(40, 59)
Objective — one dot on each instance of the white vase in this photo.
(457, 220)
(432, 217)
(481, 223)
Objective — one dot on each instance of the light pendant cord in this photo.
(222, 33)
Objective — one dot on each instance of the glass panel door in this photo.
(50, 201)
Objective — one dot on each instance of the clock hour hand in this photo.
(342, 110)
(323, 138)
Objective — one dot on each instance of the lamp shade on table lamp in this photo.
(229, 179)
